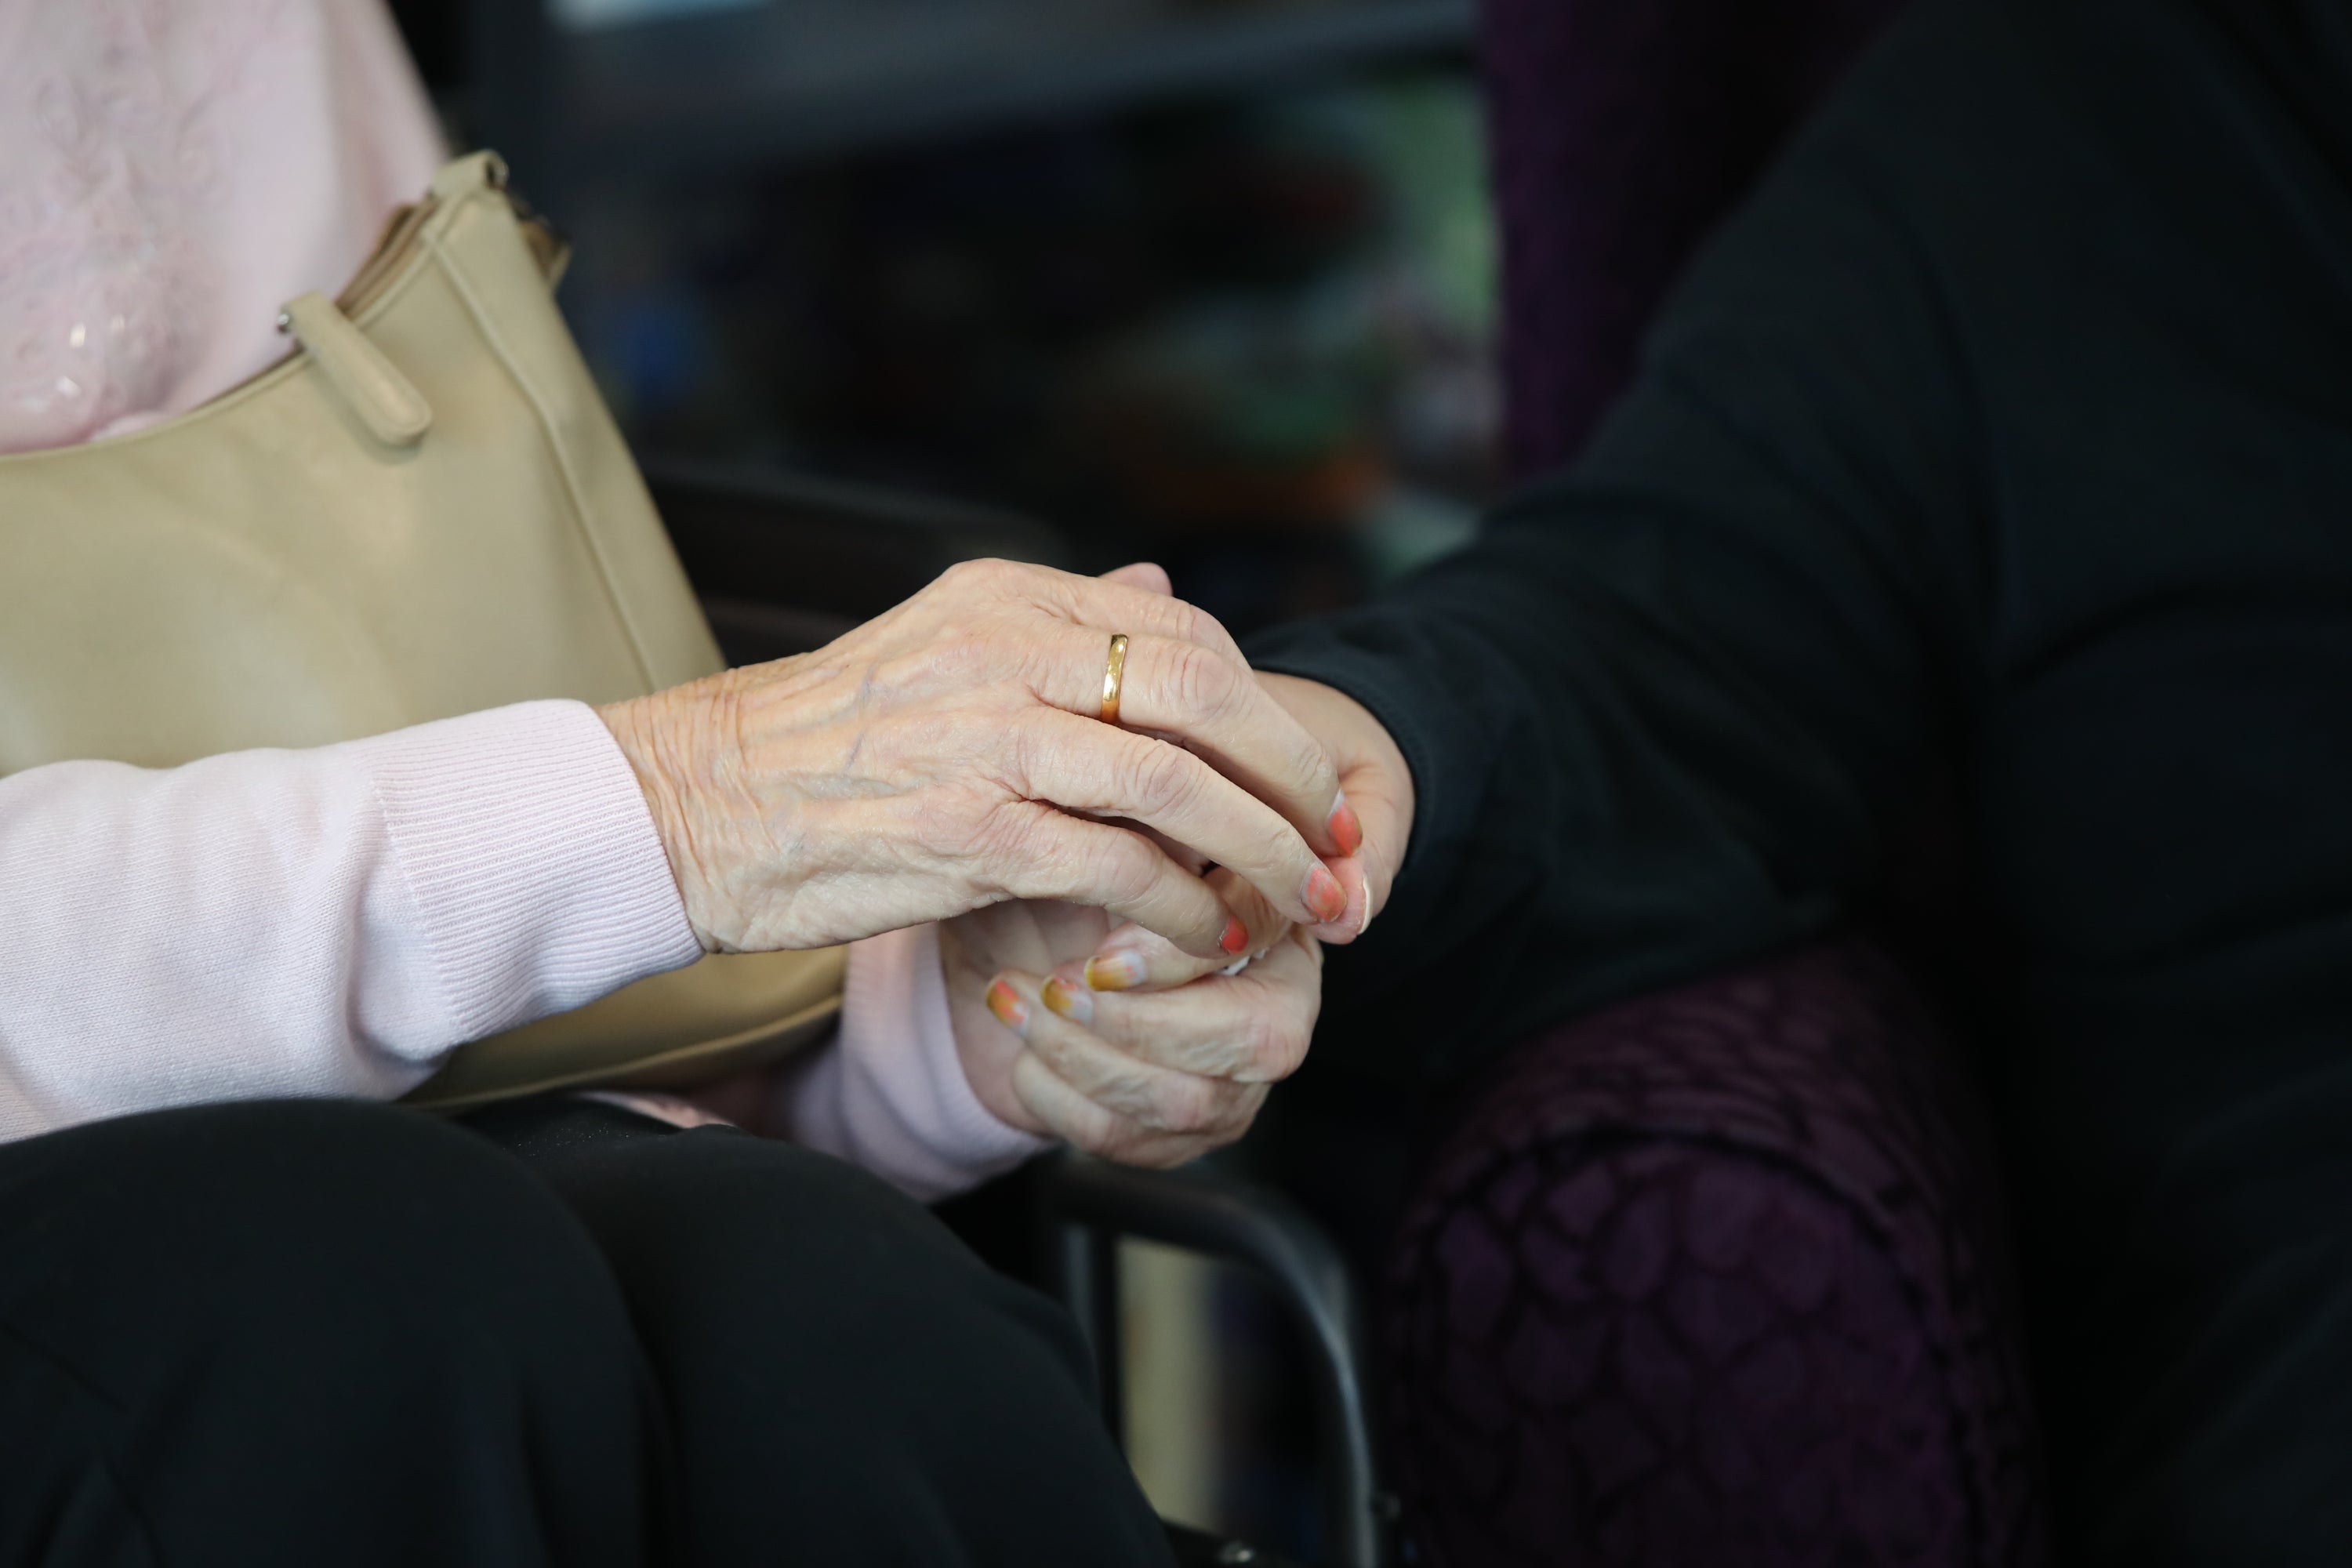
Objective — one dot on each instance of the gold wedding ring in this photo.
(1114, 672)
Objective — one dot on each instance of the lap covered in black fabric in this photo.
(305, 1332)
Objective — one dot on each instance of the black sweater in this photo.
(1998, 451)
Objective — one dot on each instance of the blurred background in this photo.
(1205, 281)
(1210, 281)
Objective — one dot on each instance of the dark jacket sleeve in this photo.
(1665, 714)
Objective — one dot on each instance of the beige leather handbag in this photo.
(425, 511)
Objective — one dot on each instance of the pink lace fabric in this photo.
(172, 172)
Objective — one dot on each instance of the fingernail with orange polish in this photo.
(1114, 971)
(1067, 1000)
(1324, 898)
(1236, 936)
(1006, 1005)
(1345, 829)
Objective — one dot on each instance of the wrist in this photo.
(656, 739)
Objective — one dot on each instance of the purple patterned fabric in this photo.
(1622, 130)
(1711, 1278)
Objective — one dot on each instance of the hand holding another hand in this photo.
(1153, 1076)
(949, 755)
(948, 762)
(1126, 1046)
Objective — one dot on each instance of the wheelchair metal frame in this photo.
(1088, 1205)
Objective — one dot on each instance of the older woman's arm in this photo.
(326, 922)
(333, 921)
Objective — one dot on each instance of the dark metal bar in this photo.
(1220, 1217)
(1084, 1271)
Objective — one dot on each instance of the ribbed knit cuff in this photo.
(912, 982)
(531, 851)
(890, 1094)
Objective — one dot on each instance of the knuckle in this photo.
(1188, 1106)
(1276, 844)
(1098, 1139)
(1202, 682)
(1120, 1140)
(1275, 1047)
(1002, 844)
(959, 656)
(954, 837)
(961, 578)
(1160, 779)
(1173, 618)
(979, 571)
(996, 838)
(1309, 760)
(1118, 866)
(1185, 622)
(1020, 749)
(1083, 1125)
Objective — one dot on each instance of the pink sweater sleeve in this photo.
(326, 922)
(334, 922)
(890, 1094)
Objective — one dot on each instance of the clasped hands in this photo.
(947, 761)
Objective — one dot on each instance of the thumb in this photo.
(1369, 873)
(1144, 574)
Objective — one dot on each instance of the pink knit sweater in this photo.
(330, 921)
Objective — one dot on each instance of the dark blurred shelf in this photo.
(805, 78)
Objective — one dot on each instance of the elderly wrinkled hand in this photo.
(1150, 1076)
(1123, 1044)
(950, 754)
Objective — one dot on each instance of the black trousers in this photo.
(325, 1332)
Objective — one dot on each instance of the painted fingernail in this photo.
(1345, 829)
(1325, 898)
(1236, 936)
(1068, 1000)
(1006, 1005)
(1114, 971)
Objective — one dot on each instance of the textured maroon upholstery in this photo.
(1708, 1279)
